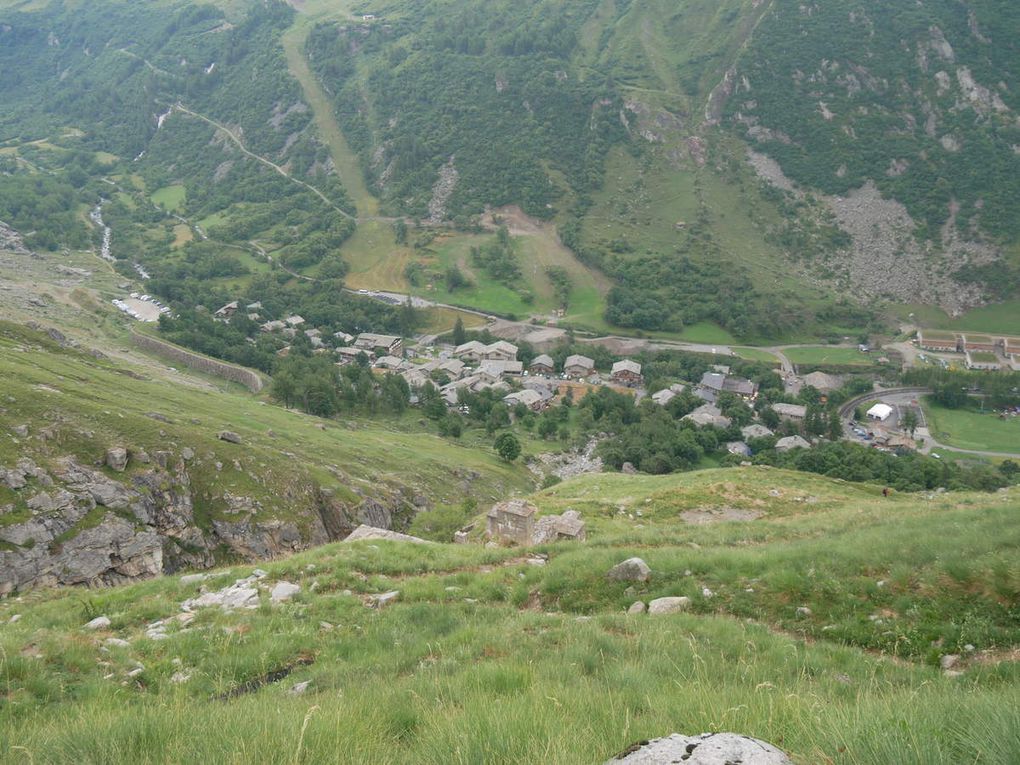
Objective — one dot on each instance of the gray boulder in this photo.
(21, 430)
(637, 607)
(117, 458)
(370, 532)
(631, 570)
(703, 749)
(99, 623)
(383, 599)
(229, 436)
(661, 606)
(283, 591)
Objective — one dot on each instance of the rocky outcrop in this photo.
(76, 525)
(703, 749)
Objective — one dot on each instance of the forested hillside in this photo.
(920, 98)
(774, 169)
(479, 96)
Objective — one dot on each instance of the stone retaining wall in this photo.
(245, 377)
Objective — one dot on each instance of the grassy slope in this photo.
(829, 355)
(485, 658)
(998, 318)
(969, 429)
(113, 401)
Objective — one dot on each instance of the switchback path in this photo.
(257, 157)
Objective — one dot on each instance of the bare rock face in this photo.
(703, 749)
(78, 525)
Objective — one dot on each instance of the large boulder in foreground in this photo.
(703, 749)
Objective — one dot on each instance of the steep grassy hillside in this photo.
(491, 655)
(292, 481)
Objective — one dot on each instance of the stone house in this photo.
(738, 448)
(512, 521)
(755, 430)
(470, 352)
(791, 442)
(626, 372)
(790, 411)
(500, 350)
(381, 345)
(553, 528)
(663, 396)
(578, 366)
(501, 368)
(454, 368)
(348, 355)
(542, 365)
(530, 398)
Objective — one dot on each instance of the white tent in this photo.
(880, 412)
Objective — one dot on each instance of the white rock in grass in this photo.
(116, 643)
(136, 672)
(661, 606)
(99, 623)
(298, 688)
(703, 749)
(283, 591)
(637, 607)
(384, 599)
(14, 619)
(193, 578)
(631, 570)
(180, 677)
(949, 661)
(803, 611)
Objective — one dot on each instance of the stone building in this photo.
(512, 521)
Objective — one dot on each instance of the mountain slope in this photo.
(180, 495)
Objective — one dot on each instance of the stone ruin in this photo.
(514, 521)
